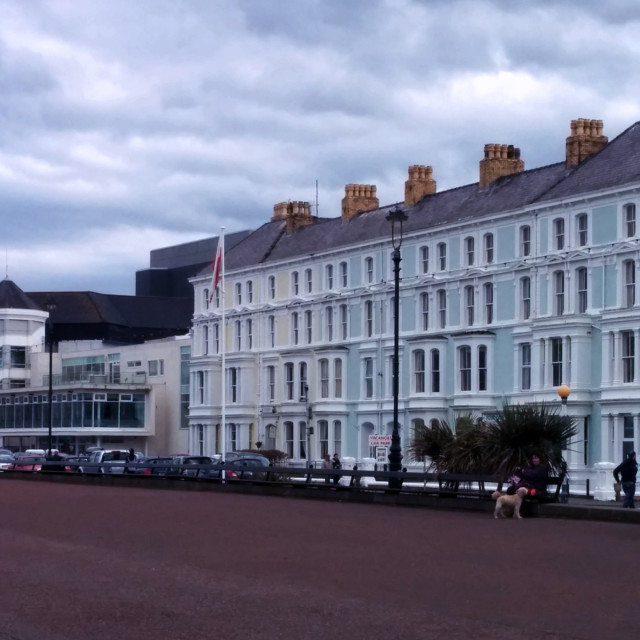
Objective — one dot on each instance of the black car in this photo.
(197, 466)
(246, 466)
(159, 466)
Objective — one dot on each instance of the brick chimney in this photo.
(499, 160)
(586, 138)
(357, 198)
(296, 214)
(419, 184)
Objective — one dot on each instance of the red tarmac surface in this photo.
(90, 562)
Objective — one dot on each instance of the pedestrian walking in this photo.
(626, 473)
(130, 459)
(336, 464)
(326, 464)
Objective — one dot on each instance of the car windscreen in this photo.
(110, 456)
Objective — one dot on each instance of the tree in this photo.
(496, 447)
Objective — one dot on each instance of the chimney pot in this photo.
(357, 198)
(499, 160)
(419, 184)
(585, 139)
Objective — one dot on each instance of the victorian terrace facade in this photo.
(511, 287)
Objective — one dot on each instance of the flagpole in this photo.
(223, 340)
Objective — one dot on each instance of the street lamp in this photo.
(309, 430)
(396, 217)
(564, 392)
(48, 329)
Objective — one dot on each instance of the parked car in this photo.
(74, 463)
(197, 466)
(106, 461)
(26, 463)
(5, 461)
(159, 466)
(246, 466)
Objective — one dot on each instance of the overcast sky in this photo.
(130, 125)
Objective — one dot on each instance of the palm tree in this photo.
(497, 447)
(519, 431)
(432, 442)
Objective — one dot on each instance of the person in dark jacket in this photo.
(534, 477)
(626, 473)
(130, 459)
(336, 464)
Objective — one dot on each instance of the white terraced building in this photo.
(511, 287)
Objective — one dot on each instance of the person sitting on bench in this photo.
(534, 477)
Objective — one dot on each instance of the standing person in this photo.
(336, 464)
(130, 459)
(626, 472)
(326, 464)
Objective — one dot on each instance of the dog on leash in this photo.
(508, 506)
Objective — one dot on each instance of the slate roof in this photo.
(13, 297)
(618, 163)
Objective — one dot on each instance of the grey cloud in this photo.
(181, 116)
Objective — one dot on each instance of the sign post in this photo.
(381, 444)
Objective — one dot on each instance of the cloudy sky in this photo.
(129, 125)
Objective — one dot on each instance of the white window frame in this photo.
(525, 240)
(489, 252)
(442, 256)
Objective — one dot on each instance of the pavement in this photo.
(577, 508)
(88, 561)
(581, 508)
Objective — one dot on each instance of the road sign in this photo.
(382, 455)
(378, 440)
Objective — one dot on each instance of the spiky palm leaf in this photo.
(432, 442)
(497, 447)
(519, 431)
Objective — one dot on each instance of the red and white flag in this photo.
(216, 269)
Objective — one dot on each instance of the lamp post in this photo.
(48, 328)
(309, 431)
(564, 392)
(396, 217)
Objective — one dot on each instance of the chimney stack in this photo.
(499, 160)
(296, 214)
(358, 198)
(419, 184)
(586, 138)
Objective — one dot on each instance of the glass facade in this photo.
(73, 411)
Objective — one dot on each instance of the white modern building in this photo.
(103, 392)
(511, 286)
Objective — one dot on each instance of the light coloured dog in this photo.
(506, 505)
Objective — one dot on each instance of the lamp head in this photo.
(396, 217)
(564, 392)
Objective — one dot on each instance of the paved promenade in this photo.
(93, 562)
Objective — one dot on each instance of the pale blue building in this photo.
(511, 287)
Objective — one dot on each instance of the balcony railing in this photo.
(135, 378)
